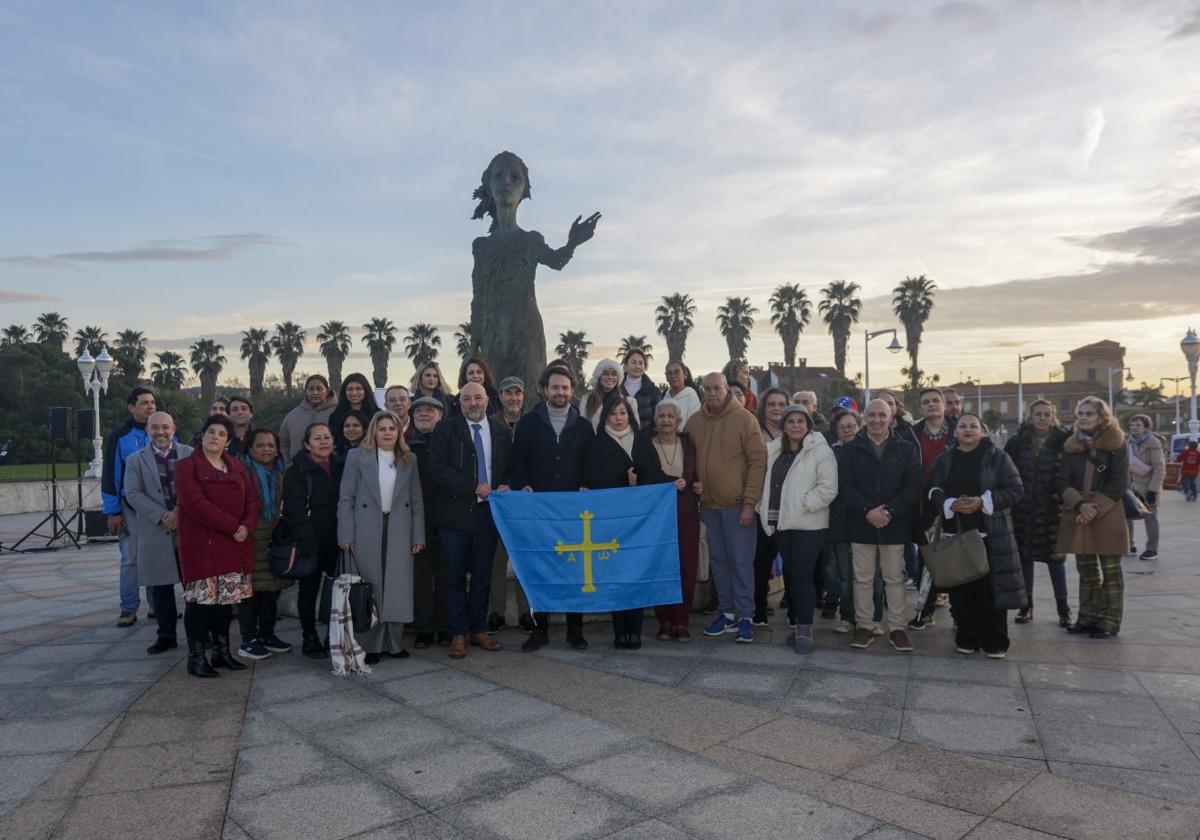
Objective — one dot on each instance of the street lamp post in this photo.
(894, 347)
(95, 380)
(1021, 360)
(1176, 380)
(1128, 378)
(1190, 345)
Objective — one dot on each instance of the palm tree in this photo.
(16, 334)
(168, 372)
(130, 352)
(256, 349)
(380, 338)
(573, 346)
(288, 344)
(51, 328)
(635, 342)
(735, 319)
(91, 339)
(421, 343)
(676, 318)
(334, 341)
(207, 361)
(840, 308)
(912, 301)
(464, 343)
(791, 311)
(1146, 395)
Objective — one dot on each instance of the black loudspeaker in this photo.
(60, 424)
(84, 426)
(95, 523)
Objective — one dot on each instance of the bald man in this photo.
(880, 481)
(148, 484)
(468, 461)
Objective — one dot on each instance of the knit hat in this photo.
(511, 382)
(602, 365)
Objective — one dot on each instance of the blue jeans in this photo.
(130, 597)
(1188, 485)
(731, 560)
(469, 552)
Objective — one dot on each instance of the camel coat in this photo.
(1100, 477)
(360, 522)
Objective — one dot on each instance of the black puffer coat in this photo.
(998, 474)
(310, 518)
(1035, 517)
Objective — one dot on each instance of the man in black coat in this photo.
(468, 460)
(880, 482)
(429, 580)
(549, 452)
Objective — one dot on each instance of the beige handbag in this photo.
(955, 559)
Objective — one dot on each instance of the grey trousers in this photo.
(731, 559)
(1151, 529)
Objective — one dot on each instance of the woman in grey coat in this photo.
(381, 518)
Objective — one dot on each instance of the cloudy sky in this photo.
(194, 169)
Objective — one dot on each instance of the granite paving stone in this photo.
(967, 698)
(654, 778)
(1161, 750)
(970, 669)
(972, 733)
(650, 830)
(927, 819)
(157, 765)
(441, 774)
(1126, 710)
(812, 745)
(140, 728)
(766, 812)
(550, 808)
(1175, 787)
(312, 713)
(423, 827)
(996, 830)
(192, 811)
(499, 709)
(563, 739)
(757, 685)
(23, 774)
(20, 735)
(338, 808)
(876, 720)
(1075, 678)
(291, 763)
(433, 687)
(402, 729)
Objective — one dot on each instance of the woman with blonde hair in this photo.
(381, 519)
(1092, 480)
(429, 382)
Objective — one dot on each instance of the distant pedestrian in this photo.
(1189, 470)
(1147, 469)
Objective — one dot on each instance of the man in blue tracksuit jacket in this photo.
(118, 446)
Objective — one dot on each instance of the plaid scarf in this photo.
(348, 657)
(166, 475)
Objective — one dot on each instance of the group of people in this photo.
(399, 495)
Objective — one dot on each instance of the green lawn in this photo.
(37, 472)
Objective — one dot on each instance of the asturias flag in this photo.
(593, 550)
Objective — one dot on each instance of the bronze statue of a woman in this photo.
(505, 321)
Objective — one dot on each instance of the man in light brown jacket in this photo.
(730, 464)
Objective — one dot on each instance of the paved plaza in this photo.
(1068, 737)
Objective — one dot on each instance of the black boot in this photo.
(620, 641)
(1025, 615)
(633, 641)
(1064, 613)
(221, 657)
(311, 646)
(197, 663)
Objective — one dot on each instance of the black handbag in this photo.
(362, 596)
(284, 557)
(1135, 505)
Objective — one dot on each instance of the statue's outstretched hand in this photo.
(582, 231)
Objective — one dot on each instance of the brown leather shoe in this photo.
(900, 642)
(862, 638)
(483, 640)
(458, 647)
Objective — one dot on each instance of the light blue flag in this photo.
(593, 550)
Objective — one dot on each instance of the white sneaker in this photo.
(877, 630)
(997, 655)
(843, 627)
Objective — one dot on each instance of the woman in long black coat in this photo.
(1037, 451)
(974, 485)
(310, 499)
(620, 457)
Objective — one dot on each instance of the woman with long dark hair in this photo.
(620, 457)
(310, 497)
(216, 515)
(477, 370)
(1037, 451)
(606, 382)
(351, 432)
(640, 386)
(355, 395)
(258, 613)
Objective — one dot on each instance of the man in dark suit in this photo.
(468, 461)
(549, 450)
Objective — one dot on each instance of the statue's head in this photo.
(505, 182)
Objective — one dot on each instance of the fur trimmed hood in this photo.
(1110, 440)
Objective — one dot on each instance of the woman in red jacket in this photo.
(217, 512)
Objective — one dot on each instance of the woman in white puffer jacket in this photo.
(801, 482)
